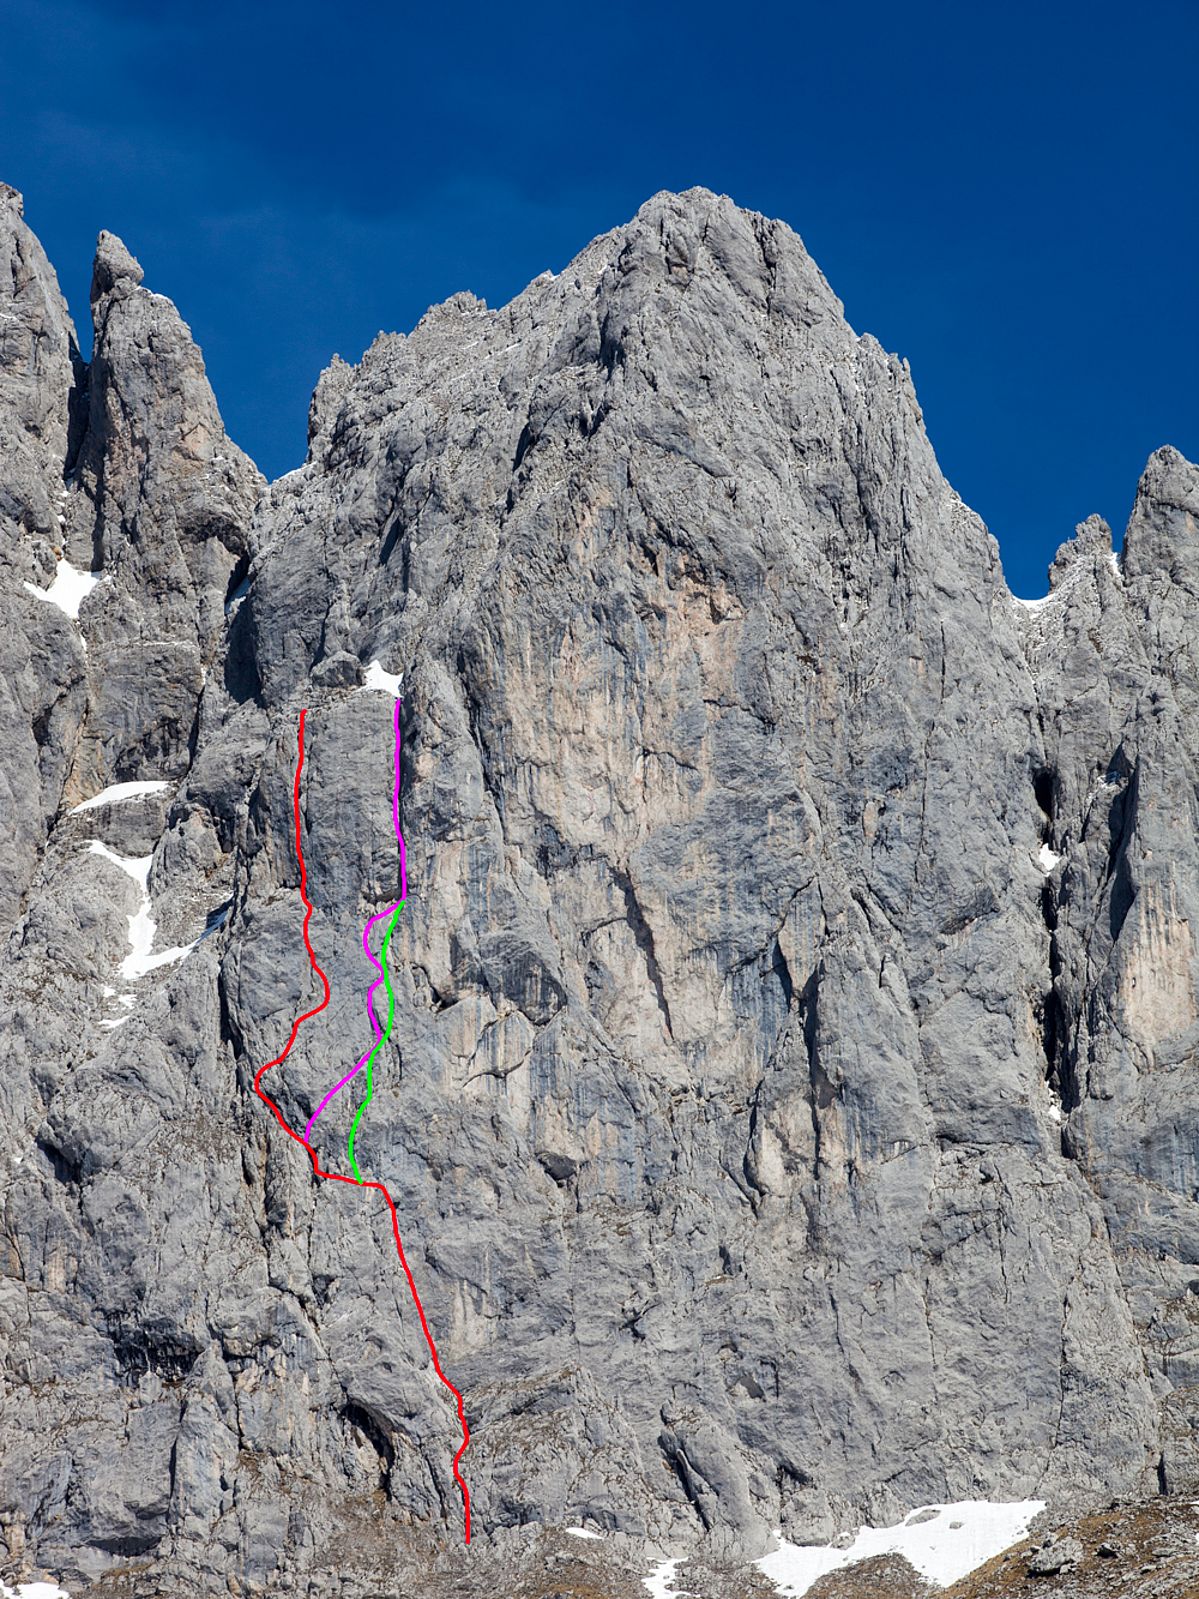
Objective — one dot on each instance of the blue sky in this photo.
(1004, 194)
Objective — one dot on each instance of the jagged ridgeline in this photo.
(791, 1108)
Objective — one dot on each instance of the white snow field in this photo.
(943, 1542)
(116, 793)
(69, 588)
(142, 925)
(385, 682)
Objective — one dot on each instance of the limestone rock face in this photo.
(1115, 651)
(790, 1110)
(40, 381)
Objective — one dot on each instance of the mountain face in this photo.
(791, 1109)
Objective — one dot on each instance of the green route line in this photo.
(379, 1042)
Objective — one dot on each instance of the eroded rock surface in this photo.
(791, 1108)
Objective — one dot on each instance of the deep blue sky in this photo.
(1003, 193)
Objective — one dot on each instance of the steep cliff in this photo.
(791, 1109)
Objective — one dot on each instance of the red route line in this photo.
(335, 1177)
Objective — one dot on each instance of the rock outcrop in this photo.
(791, 1109)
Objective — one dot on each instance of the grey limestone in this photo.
(791, 1110)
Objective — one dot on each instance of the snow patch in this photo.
(1067, 583)
(116, 792)
(69, 589)
(142, 926)
(660, 1581)
(583, 1532)
(34, 1590)
(385, 682)
(135, 866)
(1047, 859)
(954, 1541)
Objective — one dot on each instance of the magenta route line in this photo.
(366, 933)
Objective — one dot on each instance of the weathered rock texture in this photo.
(779, 1137)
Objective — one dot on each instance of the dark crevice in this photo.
(676, 1459)
(216, 919)
(78, 403)
(41, 724)
(1049, 917)
(756, 1193)
(1050, 1018)
(611, 350)
(1120, 822)
(1048, 1009)
(393, 526)
(1044, 787)
(129, 1545)
(778, 965)
(230, 1033)
(983, 904)
(1122, 774)
(1059, 1067)
(173, 1462)
(524, 444)
(238, 585)
(141, 1350)
(440, 1002)
(644, 939)
(553, 853)
(390, 540)
(561, 1169)
(372, 1428)
(67, 1170)
(787, 1473)
(632, 1324)
(193, 734)
(589, 425)
(242, 681)
(1060, 1071)
(1123, 894)
(823, 1092)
